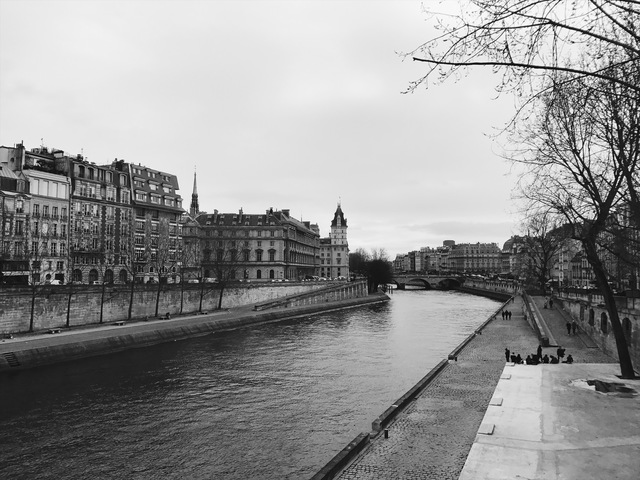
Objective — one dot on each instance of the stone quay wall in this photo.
(90, 303)
(333, 293)
(41, 350)
(593, 319)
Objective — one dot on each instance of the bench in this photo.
(119, 324)
(54, 330)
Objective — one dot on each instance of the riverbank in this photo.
(431, 438)
(32, 350)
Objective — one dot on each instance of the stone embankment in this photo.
(26, 351)
(24, 309)
(435, 424)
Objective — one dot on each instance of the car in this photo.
(54, 282)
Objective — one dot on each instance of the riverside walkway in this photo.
(484, 418)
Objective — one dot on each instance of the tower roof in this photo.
(339, 214)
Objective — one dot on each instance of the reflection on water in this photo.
(274, 401)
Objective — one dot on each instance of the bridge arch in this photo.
(428, 282)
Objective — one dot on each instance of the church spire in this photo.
(194, 209)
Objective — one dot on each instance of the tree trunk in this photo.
(69, 305)
(220, 297)
(181, 291)
(158, 295)
(33, 306)
(201, 294)
(133, 283)
(626, 367)
(102, 301)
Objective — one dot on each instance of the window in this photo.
(36, 209)
(603, 322)
(272, 255)
(258, 255)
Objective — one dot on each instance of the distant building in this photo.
(15, 207)
(269, 246)
(484, 258)
(157, 210)
(334, 249)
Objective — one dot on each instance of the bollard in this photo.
(386, 433)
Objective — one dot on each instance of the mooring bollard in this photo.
(386, 433)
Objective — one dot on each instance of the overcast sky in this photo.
(283, 104)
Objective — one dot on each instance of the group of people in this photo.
(506, 315)
(572, 327)
(537, 358)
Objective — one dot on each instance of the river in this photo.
(274, 401)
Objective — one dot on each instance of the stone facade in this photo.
(334, 250)
(256, 247)
(593, 319)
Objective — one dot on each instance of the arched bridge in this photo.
(428, 282)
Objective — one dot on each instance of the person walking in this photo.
(568, 327)
(507, 354)
(574, 327)
(539, 352)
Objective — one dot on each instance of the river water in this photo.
(274, 401)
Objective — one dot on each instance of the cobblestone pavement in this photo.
(432, 437)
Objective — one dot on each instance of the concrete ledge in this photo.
(391, 412)
(537, 323)
(336, 464)
(493, 294)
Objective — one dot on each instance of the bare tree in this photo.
(576, 169)
(542, 243)
(163, 256)
(40, 237)
(226, 261)
(528, 39)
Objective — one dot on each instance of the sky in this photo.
(275, 104)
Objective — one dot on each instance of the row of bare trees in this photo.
(574, 66)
